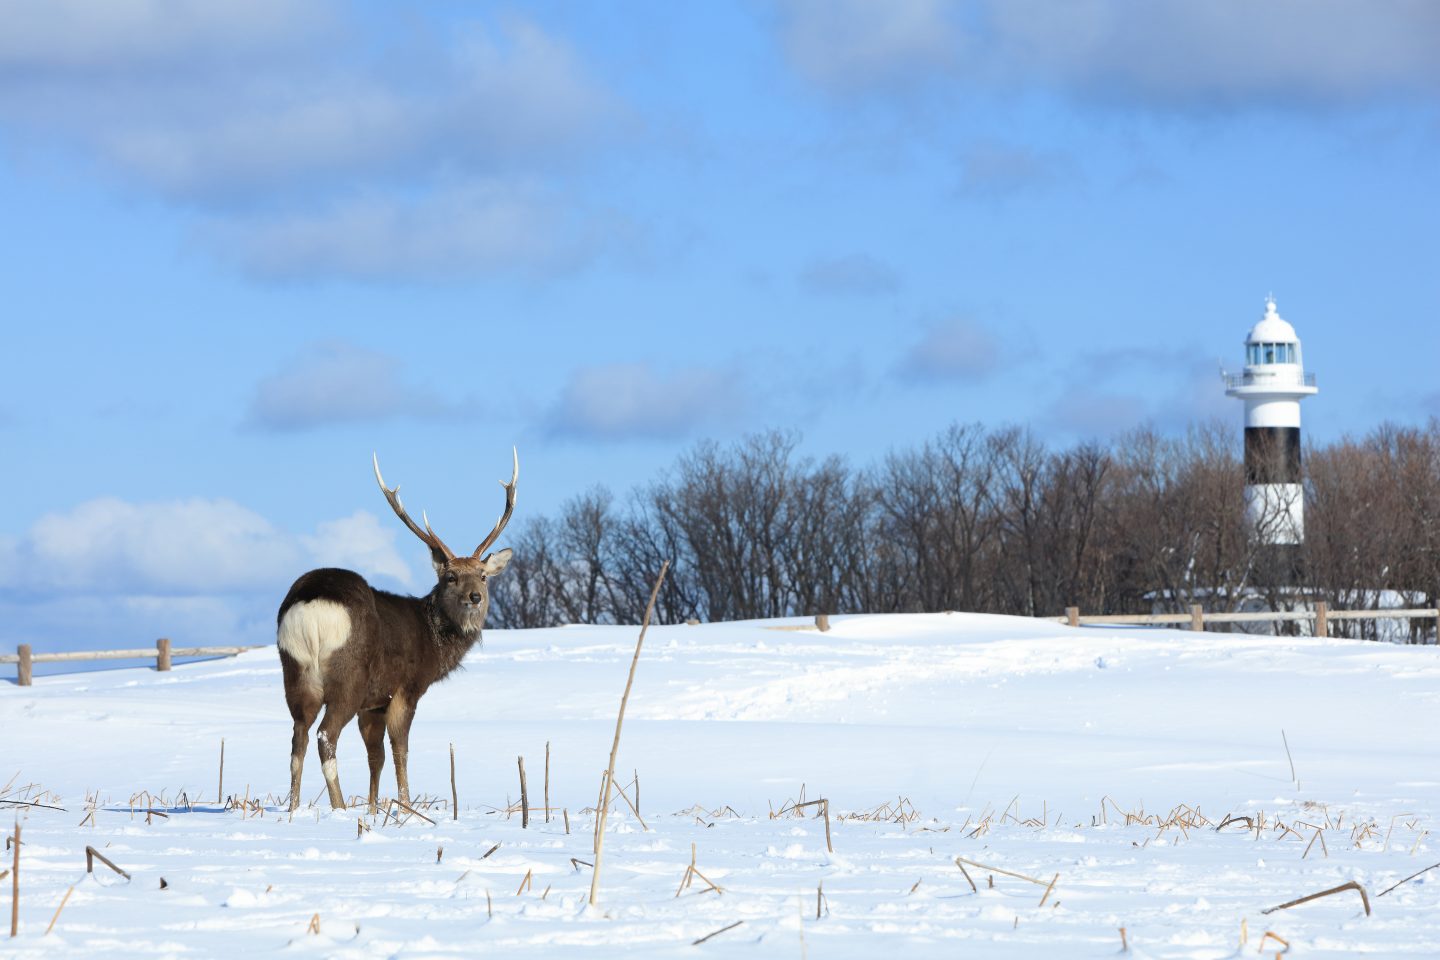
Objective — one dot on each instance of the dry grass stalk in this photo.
(1008, 873)
(1318, 836)
(15, 885)
(578, 863)
(1049, 887)
(602, 815)
(397, 802)
(1352, 885)
(489, 910)
(314, 926)
(1272, 935)
(454, 796)
(820, 899)
(1418, 837)
(547, 781)
(634, 807)
(915, 887)
(1392, 829)
(91, 855)
(1408, 879)
(959, 863)
(490, 851)
(566, 811)
(439, 854)
(220, 788)
(691, 872)
(1286, 741)
(1244, 931)
(824, 805)
(546, 893)
(1124, 943)
(527, 883)
(696, 943)
(63, 900)
(524, 797)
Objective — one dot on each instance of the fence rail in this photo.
(1196, 619)
(24, 657)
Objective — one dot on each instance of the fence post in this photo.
(1197, 617)
(162, 653)
(822, 622)
(1073, 614)
(23, 668)
(1322, 619)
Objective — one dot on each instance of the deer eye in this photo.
(451, 578)
(483, 578)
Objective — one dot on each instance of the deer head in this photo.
(462, 590)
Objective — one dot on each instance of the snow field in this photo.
(1108, 757)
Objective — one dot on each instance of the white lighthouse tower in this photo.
(1272, 386)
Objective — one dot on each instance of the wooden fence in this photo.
(1197, 618)
(24, 658)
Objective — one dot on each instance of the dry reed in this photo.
(696, 943)
(63, 900)
(601, 815)
(1352, 885)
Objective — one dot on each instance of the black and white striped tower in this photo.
(1272, 386)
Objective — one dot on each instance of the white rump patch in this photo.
(310, 632)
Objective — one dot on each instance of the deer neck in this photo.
(452, 640)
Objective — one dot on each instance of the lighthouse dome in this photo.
(1272, 328)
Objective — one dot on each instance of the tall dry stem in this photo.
(604, 811)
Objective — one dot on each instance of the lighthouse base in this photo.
(1278, 565)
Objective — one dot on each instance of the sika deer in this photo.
(353, 649)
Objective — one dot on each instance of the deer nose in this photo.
(475, 598)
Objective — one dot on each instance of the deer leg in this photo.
(304, 712)
(330, 726)
(397, 720)
(372, 731)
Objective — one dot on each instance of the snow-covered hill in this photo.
(1105, 756)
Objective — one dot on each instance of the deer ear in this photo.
(439, 561)
(497, 561)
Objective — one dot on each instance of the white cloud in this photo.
(632, 400)
(958, 349)
(469, 230)
(339, 383)
(442, 153)
(197, 548)
(854, 44)
(109, 546)
(1167, 53)
(991, 168)
(856, 274)
(1221, 52)
(78, 35)
(358, 542)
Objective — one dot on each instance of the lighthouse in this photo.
(1272, 386)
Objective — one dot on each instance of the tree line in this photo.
(976, 519)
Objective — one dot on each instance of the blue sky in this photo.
(248, 242)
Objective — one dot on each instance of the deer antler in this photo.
(509, 506)
(430, 537)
